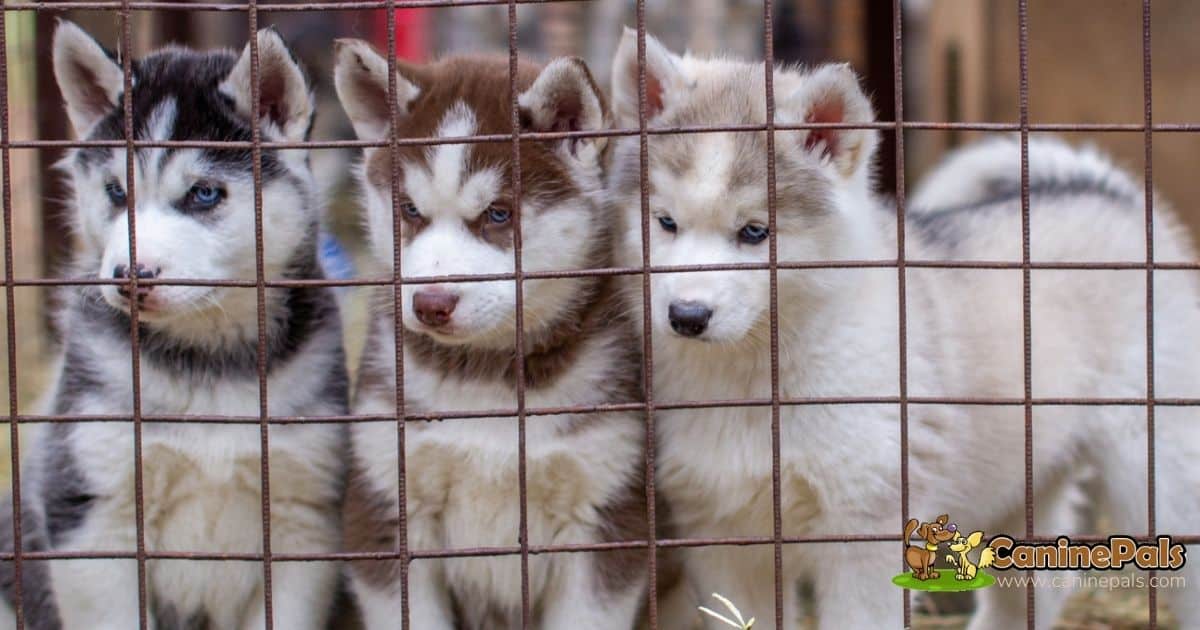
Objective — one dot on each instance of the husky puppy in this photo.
(839, 336)
(198, 355)
(585, 479)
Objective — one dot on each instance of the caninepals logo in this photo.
(940, 557)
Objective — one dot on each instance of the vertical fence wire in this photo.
(1148, 138)
(126, 53)
(901, 276)
(397, 310)
(11, 321)
(261, 308)
(1026, 282)
(518, 281)
(773, 271)
(647, 327)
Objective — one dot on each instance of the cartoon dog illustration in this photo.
(922, 558)
(962, 545)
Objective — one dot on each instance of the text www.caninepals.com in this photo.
(1105, 582)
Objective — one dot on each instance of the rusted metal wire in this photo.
(1026, 283)
(11, 327)
(126, 53)
(901, 275)
(348, 5)
(773, 278)
(404, 557)
(519, 354)
(546, 136)
(647, 325)
(1148, 138)
(261, 310)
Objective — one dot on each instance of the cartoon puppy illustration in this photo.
(922, 558)
(962, 545)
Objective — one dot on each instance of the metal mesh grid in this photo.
(525, 414)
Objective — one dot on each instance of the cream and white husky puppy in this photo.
(195, 218)
(839, 337)
(458, 217)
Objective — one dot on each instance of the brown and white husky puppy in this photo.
(458, 215)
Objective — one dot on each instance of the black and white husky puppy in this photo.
(458, 215)
(198, 356)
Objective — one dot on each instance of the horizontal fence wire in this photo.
(546, 136)
(253, 7)
(532, 550)
(629, 271)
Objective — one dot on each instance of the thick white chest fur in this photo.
(462, 478)
(202, 493)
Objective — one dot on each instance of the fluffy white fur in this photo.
(838, 336)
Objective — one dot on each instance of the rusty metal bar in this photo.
(773, 277)
(518, 279)
(404, 559)
(11, 327)
(604, 133)
(264, 429)
(613, 407)
(351, 5)
(647, 324)
(901, 275)
(625, 271)
(1147, 93)
(515, 550)
(1026, 283)
(134, 307)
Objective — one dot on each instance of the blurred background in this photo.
(960, 63)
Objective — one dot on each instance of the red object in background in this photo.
(412, 26)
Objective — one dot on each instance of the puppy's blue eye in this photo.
(498, 215)
(668, 223)
(116, 194)
(753, 233)
(204, 196)
(410, 211)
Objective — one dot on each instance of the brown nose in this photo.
(434, 306)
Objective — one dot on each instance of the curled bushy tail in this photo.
(991, 169)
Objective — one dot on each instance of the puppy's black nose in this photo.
(143, 273)
(689, 318)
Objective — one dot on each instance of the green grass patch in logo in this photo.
(945, 582)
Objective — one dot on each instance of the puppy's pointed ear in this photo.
(565, 97)
(361, 77)
(665, 83)
(88, 76)
(285, 106)
(831, 94)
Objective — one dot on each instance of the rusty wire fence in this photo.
(651, 543)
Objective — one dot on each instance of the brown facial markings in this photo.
(490, 229)
(480, 83)
(368, 526)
